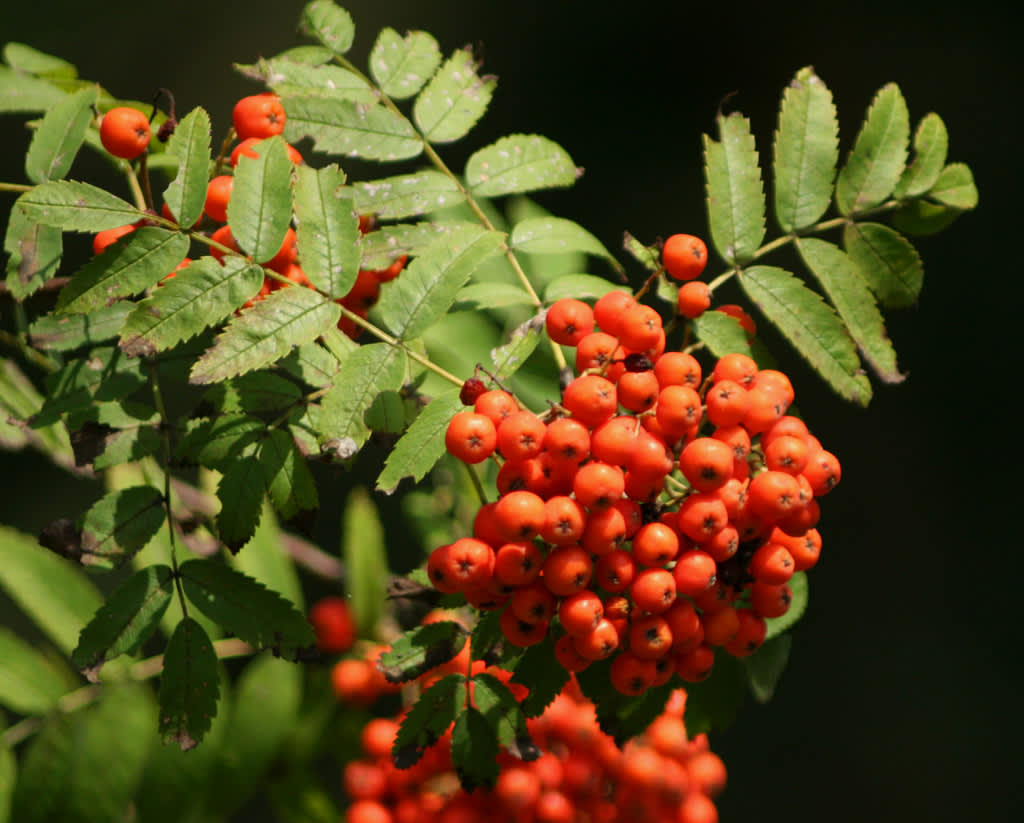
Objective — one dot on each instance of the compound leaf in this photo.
(189, 686)
(365, 556)
(266, 332)
(797, 607)
(879, 154)
(59, 136)
(765, 666)
(400, 66)
(735, 195)
(931, 142)
(34, 253)
(454, 99)
(422, 445)
(849, 293)
(29, 682)
(721, 333)
(474, 750)
(519, 163)
(75, 206)
(421, 649)
(406, 195)
(260, 207)
(119, 524)
(365, 373)
(955, 187)
(246, 608)
(428, 719)
(56, 595)
(286, 473)
(556, 235)
(190, 144)
(348, 128)
(329, 23)
(887, 260)
(129, 617)
(811, 326)
(133, 263)
(429, 286)
(240, 492)
(328, 230)
(199, 296)
(806, 152)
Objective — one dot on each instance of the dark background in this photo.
(900, 702)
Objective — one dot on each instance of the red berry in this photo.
(125, 132)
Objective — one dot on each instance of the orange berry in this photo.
(684, 256)
(125, 132)
(693, 299)
(568, 321)
(258, 115)
(470, 437)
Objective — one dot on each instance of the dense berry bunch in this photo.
(125, 134)
(653, 516)
(580, 776)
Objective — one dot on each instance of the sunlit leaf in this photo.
(735, 194)
(259, 210)
(190, 144)
(59, 136)
(931, 142)
(407, 195)
(401, 65)
(519, 163)
(35, 253)
(328, 229)
(887, 260)
(454, 100)
(556, 235)
(75, 206)
(329, 23)
(419, 449)
(350, 129)
(364, 553)
(955, 187)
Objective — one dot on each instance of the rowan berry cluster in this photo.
(125, 133)
(654, 515)
(582, 774)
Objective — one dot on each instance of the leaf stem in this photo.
(18, 187)
(475, 479)
(37, 358)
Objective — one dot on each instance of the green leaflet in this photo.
(32, 61)
(287, 476)
(580, 287)
(329, 23)
(262, 718)
(931, 142)
(556, 235)
(401, 65)
(266, 332)
(454, 99)
(511, 356)
(197, 297)
(35, 253)
(254, 393)
(887, 260)
(777, 625)
(8, 777)
(811, 326)
(68, 332)
(364, 553)
(381, 247)
(369, 370)
(712, 704)
(474, 750)
(59, 136)
(492, 295)
(259, 210)
(765, 666)
(422, 445)
(119, 524)
(419, 650)
(19, 401)
(129, 445)
(407, 195)
(51, 591)
(806, 152)
(428, 719)
(129, 617)
(876, 163)
(537, 669)
(955, 187)
(504, 716)
(189, 686)
(735, 195)
(190, 144)
(134, 263)
(428, 287)
(849, 293)
(519, 163)
(75, 206)
(328, 229)
(350, 129)
(288, 76)
(30, 683)
(312, 364)
(264, 561)
(218, 442)
(240, 492)
(625, 720)
(22, 93)
(721, 333)
(105, 375)
(647, 256)
(921, 218)
(244, 607)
